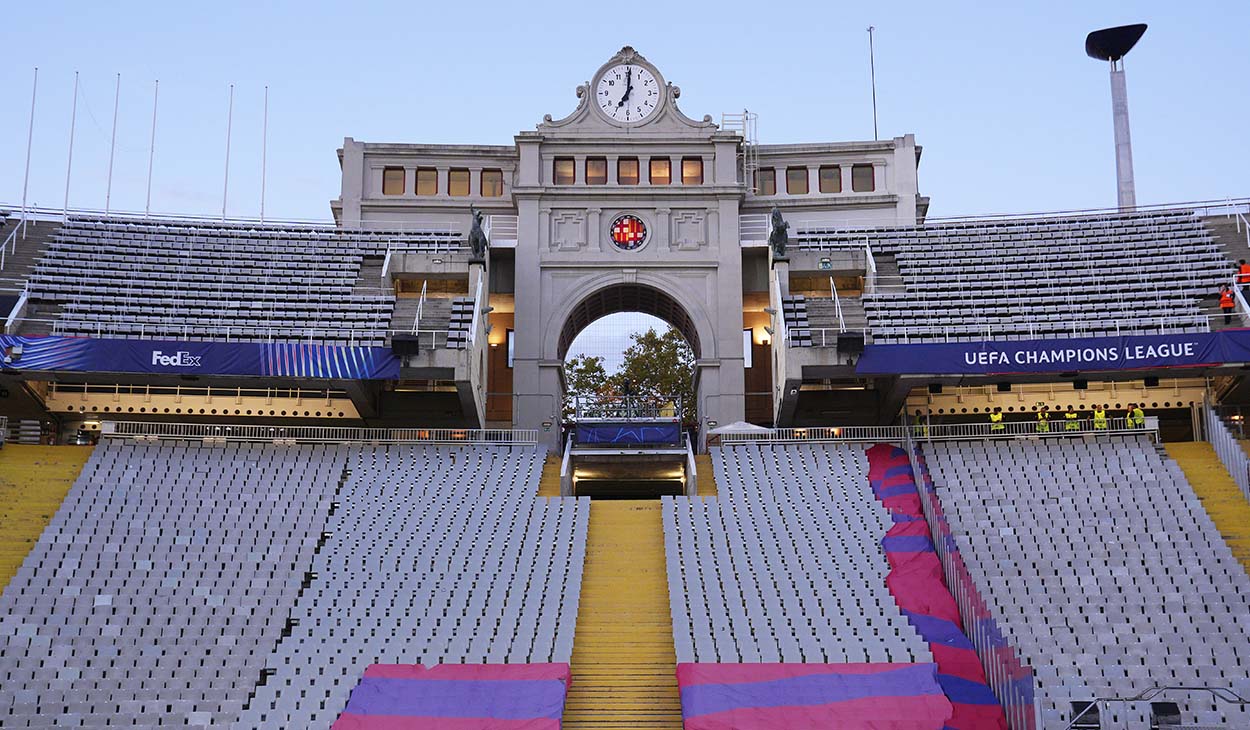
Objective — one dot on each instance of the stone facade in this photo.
(688, 269)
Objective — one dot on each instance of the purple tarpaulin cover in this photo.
(458, 697)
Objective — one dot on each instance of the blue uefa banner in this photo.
(1057, 355)
(292, 360)
(627, 434)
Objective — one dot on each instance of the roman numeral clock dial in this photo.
(628, 93)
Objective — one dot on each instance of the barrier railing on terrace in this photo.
(68, 327)
(1228, 207)
(316, 434)
(1057, 427)
(627, 408)
(828, 336)
(1011, 680)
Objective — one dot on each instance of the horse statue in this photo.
(778, 239)
(478, 244)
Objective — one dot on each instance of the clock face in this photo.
(628, 93)
(628, 232)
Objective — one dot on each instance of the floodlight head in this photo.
(1111, 44)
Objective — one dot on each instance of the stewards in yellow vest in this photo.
(1138, 416)
(1100, 418)
(1069, 420)
(1128, 415)
(920, 429)
(996, 421)
(1043, 420)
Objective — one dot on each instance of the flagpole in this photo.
(69, 165)
(225, 187)
(108, 190)
(872, 71)
(264, 153)
(156, 90)
(30, 135)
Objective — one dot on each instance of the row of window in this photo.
(628, 171)
(395, 181)
(830, 177)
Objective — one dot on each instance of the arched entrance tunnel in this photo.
(629, 385)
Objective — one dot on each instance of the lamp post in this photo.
(1112, 44)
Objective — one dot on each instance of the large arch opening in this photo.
(629, 382)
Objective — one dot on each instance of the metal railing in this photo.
(317, 434)
(10, 244)
(1029, 329)
(416, 320)
(1057, 428)
(346, 336)
(4, 430)
(692, 469)
(1011, 680)
(478, 304)
(627, 408)
(870, 271)
(566, 468)
(753, 229)
(1228, 448)
(502, 231)
(837, 305)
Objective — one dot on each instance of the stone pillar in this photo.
(846, 177)
(353, 184)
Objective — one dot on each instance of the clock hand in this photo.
(629, 86)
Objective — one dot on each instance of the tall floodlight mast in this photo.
(1112, 44)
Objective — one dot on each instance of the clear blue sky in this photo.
(1011, 114)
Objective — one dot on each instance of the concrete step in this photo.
(33, 482)
(1233, 241)
(624, 662)
(1219, 494)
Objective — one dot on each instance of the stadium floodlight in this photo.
(1112, 44)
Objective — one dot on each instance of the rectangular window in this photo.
(627, 171)
(564, 171)
(427, 181)
(458, 183)
(511, 350)
(747, 343)
(766, 181)
(492, 183)
(661, 171)
(796, 180)
(596, 171)
(692, 171)
(862, 179)
(393, 181)
(830, 179)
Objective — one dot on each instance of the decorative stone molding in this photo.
(689, 230)
(568, 230)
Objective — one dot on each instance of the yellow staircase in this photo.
(33, 482)
(1219, 494)
(707, 475)
(624, 664)
(549, 482)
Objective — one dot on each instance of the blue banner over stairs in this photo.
(1057, 355)
(283, 359)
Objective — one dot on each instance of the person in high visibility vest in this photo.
(996, 421)
(1243, 275)
(1138, 416)
(1100, 418)
(918, 423)
(1128, 415)
(1227, 303)
(1069, 420)
(1043, 420)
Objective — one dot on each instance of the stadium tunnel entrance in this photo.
(628, 415)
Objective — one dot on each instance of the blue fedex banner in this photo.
(1057, 355)
(176, 357)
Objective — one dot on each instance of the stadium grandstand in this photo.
(968, 473)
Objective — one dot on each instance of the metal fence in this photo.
(627, 408)
(1010, 678)
(1056, 428)
(317, 434)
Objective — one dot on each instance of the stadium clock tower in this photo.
(627, 204)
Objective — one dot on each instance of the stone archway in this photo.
(627, 298)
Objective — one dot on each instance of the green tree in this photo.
(659, 367)
(584, 375)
